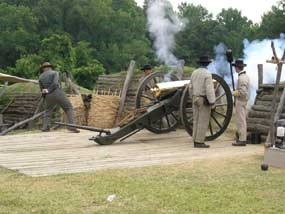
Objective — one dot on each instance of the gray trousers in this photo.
(201, 118)
(57, 98)
(241, 119)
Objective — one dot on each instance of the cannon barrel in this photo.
(166, 87)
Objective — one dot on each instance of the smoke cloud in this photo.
(255, 52)
(220, 64)
(163, 25)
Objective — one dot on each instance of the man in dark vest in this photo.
(53, 96)
(203, 100)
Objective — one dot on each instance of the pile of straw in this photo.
(79, 111)
(103, 110)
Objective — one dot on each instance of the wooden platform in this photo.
(54, 153)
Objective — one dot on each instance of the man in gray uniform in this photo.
(242, 94)
(53, 95)
(203, 100)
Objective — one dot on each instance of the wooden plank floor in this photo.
(54, 153)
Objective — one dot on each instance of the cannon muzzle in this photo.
(167, 87)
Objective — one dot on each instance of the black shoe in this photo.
(200, 145)
(239, 143)
(46, 130)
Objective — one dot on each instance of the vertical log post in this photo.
(124, 91)
(270, 140)
(260, 75)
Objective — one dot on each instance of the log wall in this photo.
(259, 114)
(115, 83)
(22, 107)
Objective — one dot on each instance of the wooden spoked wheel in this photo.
(220, 116)
(145, 99)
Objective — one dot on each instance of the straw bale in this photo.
(103, 110)
(79, 111)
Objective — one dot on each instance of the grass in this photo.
(220, 186)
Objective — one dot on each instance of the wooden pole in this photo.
(21, 123)
(124, 91)
(70, 85)
(260, 74)
(270, 140)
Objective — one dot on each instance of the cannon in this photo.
(162, 104)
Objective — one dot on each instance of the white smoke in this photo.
(220, 65)
(257, 52)
(163, 25)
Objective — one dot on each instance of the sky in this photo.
(249, 8)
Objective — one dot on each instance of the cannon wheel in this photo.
(145, 98)
(220, 117)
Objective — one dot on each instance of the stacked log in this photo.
(22, 107)
(259, 114)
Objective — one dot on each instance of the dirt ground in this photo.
(44, 154)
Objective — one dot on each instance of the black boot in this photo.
(239, 143)
(200, 145)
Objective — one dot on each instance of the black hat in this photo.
(204, 59)
(239, 63)
(46, 65)
(146, 67)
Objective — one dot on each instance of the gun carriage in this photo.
(162, 104)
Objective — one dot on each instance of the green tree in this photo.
(86, 70)
(58, 50)
(18, 35)
(273, 22)
(108, 25)
(87, 75)
(27, 67)
(197, 37)
(26, 3)
(234, 28)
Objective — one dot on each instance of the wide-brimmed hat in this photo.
(46, 65)
(239, 63)
(204, 59)
(146, 67)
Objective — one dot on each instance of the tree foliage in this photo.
(90, 37)
(273, 22)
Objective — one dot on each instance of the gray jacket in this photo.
(202, 85)
(49, 79)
